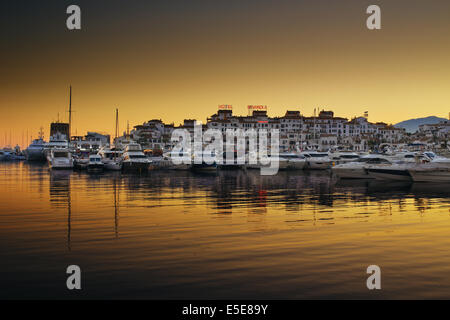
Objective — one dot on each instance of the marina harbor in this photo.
(348, 149)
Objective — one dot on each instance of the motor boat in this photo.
(134, 159)
(344, 157)
(294, 161)
(205, 166)
(60, 158)
(359, 169)
(317, 160)
(81, 159)
(179, 165)
(58, 140)
(95, 163)
(436, 158)
(432, 172)
(282, 159)
(111, 158)
(5, 155)
(35, 151)
(158, 159)
(231, 161)
(398, 171)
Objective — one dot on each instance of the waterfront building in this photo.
(91, 141)
(297, 132)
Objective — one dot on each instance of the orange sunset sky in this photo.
(172, 60)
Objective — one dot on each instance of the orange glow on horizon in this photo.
(296, 56)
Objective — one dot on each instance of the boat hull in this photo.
(135, 166)
(81, 164)
(231, 166)
(181, 167)
(113, 166)
(319, 165)
(441, 175)
(34, 155)
(204, 167)
(67, 166)
(296, 165)
(390, 174)
(351, 173)
(95, 167)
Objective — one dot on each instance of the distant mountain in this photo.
(412, 125)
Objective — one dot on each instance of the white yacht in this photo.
(57, 140)
(205, 166)
(358, 169)
(432, 172)
(134, 159)
(317, 160)
(436, 158)
(398, 171)
(81, 159)
(186, 165)
(231, 161)
(282, 158)
(157, 159)
(95, 163)
(344, 157)
(5, 155)
(60, 158)
(111, 157)
(294, 160)
(35, 151)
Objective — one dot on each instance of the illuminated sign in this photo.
(225, 107)
(263, 121)
(257, 107)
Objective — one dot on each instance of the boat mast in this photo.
(117, 124)
(70, 113)
(116, 133)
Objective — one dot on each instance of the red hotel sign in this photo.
(225, 107)
(257, 107)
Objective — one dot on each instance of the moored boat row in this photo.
(417, 167)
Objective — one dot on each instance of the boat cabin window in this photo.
(376, 161)
(349, 156)
(431, 155)
(60, 154)
(318, 155)
(137, 156)
(292, 156)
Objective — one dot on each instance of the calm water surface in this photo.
(175, 235)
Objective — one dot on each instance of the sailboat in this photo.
(112, 156)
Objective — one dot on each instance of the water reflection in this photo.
(60, 196)
(180, 234)
(225, 191)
